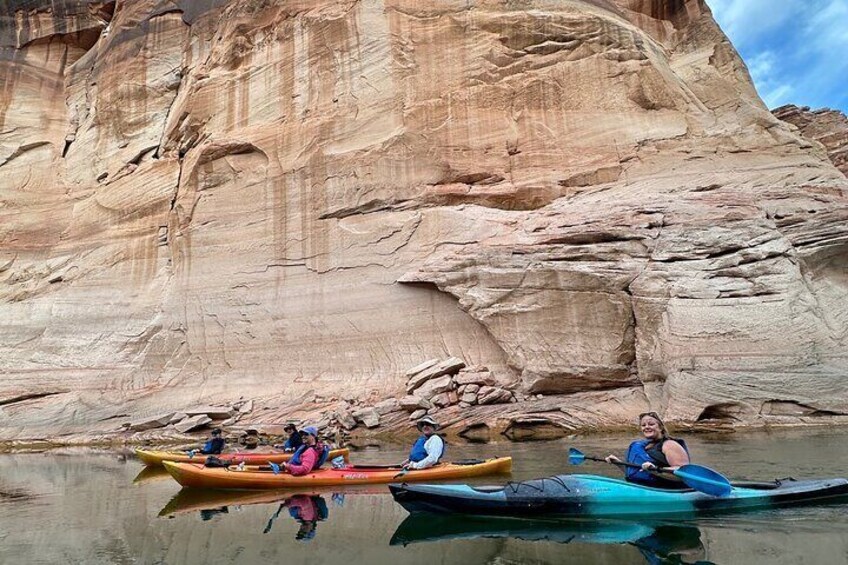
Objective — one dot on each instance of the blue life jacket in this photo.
(298, 454)
(321, 504)
(418, 453)
(213, 447)
(293, 442)
(638, 453)
(323, 453)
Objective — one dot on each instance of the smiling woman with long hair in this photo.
(656, 450)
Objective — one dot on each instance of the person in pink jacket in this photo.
(309, 454)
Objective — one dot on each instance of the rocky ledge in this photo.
(826, 126)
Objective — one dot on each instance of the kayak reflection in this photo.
(193, 500)
(307, 509)
(659, 543)
(151, 474)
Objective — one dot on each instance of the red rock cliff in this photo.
(290, 202)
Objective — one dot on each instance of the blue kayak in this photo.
(596, 496)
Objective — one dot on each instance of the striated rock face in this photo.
(202, 201)
(828, 127)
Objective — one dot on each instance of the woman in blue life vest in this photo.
(657, 450)
(428, 448)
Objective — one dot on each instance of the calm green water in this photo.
(88, 507)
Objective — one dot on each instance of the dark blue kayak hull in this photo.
(595, 496)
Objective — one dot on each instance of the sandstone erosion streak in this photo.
(293, 203)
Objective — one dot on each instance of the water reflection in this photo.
(150, 475)
(76, 507)
(190, 500)
(307, 509)
(659, 543)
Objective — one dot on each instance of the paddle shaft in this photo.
(702, 479)
(628, 465)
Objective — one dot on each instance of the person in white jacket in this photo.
(428, 449)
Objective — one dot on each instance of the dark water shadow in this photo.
(659, 543)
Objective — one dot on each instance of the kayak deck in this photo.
(594, 496)
(154, 458)
(198, 476)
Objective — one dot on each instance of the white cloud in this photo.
(827, 28)
(744, 21)
(796, 50)
(771, 84)
(779, 95)
(761, 66)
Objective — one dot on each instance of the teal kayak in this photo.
(596, 496)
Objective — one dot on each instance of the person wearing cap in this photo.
(307, 511)
(294, 440)
(309, 456)
(427, 449)
(215, 444)
(250, 439)
(656, 449)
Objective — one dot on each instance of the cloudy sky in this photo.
(796, 50)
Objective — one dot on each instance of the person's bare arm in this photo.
(675, 454)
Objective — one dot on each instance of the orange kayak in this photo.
(195, 475)
(158, 457)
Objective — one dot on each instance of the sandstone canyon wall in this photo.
(293, 202)
(828, 127)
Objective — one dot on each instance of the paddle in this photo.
(372, 467)
(402, 473)
(273, 517)
(702, 479)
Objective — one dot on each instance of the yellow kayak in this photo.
(195, 475)
(153, 458)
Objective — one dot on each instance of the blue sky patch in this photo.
(796, 50)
